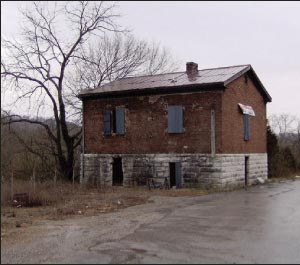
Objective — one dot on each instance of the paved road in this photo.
(260, 225)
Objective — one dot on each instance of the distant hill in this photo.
(16, 141)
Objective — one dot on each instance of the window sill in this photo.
(112, 135)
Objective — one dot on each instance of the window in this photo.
(175, 119)
(246, 127)
(106, 123)
(114, 121)
(247, 112)
(120, 121)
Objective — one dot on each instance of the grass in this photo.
(282, 179)
(62, 201)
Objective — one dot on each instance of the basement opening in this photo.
(175, 174)
(117, 172)
(246, 171)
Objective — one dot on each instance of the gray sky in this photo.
(212, 34)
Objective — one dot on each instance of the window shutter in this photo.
(175, 119)
(178, 174)
(106, 123)
(171, 119)
(120, 121)
(246, 127)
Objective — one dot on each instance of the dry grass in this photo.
(43, 193)
(67, 201)
(281, 179)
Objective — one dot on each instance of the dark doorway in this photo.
(117, 172)
(172, 175)
(246, 170)
(175, 174)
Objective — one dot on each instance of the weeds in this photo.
(24, 194)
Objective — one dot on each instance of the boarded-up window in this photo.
(175, 119)
(106, 123)
(120, 121)
(246, 127)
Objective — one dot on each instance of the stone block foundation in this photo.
(221, 171)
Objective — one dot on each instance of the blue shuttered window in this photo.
(106, 123)
(246, 127)
(114, 121)
(175, 119)
(120, 121)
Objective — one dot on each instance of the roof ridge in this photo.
(225, 67)
(178, 72)
(150, 75)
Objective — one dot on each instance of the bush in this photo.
(281, 161)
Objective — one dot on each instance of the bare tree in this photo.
(38, 64)
(282, 123)
(298, 141)
(287, 126)
(119, 56)
(65, 48)
(115, 57)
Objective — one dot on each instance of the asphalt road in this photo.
(260, 225)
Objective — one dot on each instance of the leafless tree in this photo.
(114, 57)
(66, 47)
(39, 62)
(287, 126)
(298, 140)
(282, 123)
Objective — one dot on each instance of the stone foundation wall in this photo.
(198, 170)
(233, 169)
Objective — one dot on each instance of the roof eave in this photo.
(158, 90)
(267, 96)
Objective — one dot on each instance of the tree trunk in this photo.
(66, 164)
(66, 169)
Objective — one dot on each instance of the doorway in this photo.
(246, 170)
(117, 172)
(175, 174)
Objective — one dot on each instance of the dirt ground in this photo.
(16, 221)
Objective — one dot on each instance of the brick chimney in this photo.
(191, 69)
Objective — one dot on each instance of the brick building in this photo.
(194, 128)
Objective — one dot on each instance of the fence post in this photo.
(55, 177)
(33, 176)
(12, 185)
(73, 176)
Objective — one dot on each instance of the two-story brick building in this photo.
(195, 128)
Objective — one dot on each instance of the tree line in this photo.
(283, 145)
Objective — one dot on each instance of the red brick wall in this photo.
(146, 123)
(232, 127)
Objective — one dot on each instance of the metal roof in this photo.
(222, 75)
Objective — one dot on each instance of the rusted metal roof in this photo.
(222, 75)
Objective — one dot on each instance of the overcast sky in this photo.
(212, 34)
